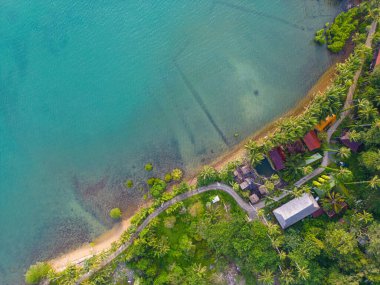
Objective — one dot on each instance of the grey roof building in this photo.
(295, 210)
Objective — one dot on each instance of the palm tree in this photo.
(365, 217)
(287, 276)
(344, 152)
(199, 270)
(282, 255)
(374, 183)
(342, 174)
(333, 201)
(298, 192)
(275, 179)
(366, 109)
(266, 277)
(273, 229)
(207, 175)
(307, 169)
(254, 152)
(303, 272)
(218, 278)
(277, 242)
(269, 185)
(260, 213)
(354, 136)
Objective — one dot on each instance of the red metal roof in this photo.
(378, 59)
(277, 156)
(311, 140)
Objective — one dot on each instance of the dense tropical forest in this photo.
(208, 238)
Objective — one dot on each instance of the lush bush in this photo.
(341, 29)
(207, 176)
(371, 160)
(149, 166)
(128, 183)
(37, 272)
(320, 37)
(158, 187)
(168, 177)
(177, 174)
(115, 213)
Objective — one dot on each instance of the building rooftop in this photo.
(326, 122)
(377, 59)
(277, 156)
(354, 146)
(295, 210)
(254, 198)
(295, 147)
(311, 140)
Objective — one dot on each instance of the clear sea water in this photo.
(92, 90)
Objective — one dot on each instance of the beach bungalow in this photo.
(263, 190)
(254, 198)
(296, 210)
(325, 123)
(277, 157)
(249, 184)
(354, 146)
(243, 172)
(311, 140)
(244, 185)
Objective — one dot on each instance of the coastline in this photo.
(105, 241)
(238, 151)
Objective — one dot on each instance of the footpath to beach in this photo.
(347, 110)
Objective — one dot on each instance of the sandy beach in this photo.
(104, 241)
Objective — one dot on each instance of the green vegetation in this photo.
(320, 37)
(341, 29)
(207, 176)
(168, 177)
(157, 188)
(128, 183)
(148, 166)
(188, 245)
(177, 174)
(115, 213)
(337, 34)
(37, 272)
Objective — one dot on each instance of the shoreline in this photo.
(238, 151)
(104, 241)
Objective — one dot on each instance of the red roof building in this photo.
(311, 140)
(277, 156)
(377, 59)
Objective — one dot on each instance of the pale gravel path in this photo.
(347, 110)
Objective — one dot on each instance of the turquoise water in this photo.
(92, 90)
